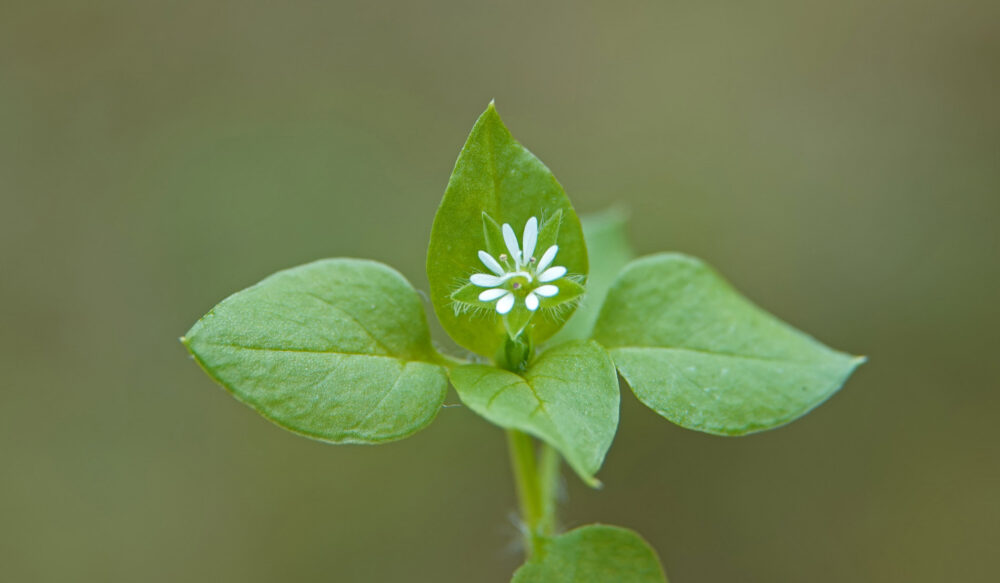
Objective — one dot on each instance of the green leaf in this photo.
(609, 250)
(337, 350)
(594, 554)
(704, 357)
(568, 397)
(498, 181)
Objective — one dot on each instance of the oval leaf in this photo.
(568, 397)
(336, 350)
(700, 354)
(496, 181)
(594, 554)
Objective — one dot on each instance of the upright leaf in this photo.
(496, 181)
(594, 554)
(608, 250)
(336, 350)
(568, 397)
(704, 357)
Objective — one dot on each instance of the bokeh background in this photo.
(838, 161)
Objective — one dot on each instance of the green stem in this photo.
(548, 470)
(536, 481)
(522, 462)
(536, 487)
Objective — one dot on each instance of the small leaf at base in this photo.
(594, 554)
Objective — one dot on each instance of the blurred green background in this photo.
(838, 161)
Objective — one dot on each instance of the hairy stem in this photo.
(522, 461)
(535, 476)
(536, 482)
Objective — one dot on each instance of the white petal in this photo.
(490, 263)
(531, 301)
(511, 240)
(492, 294)
(505, 304)
(530, 238)
(547, 258)
(546, 291)
(552, 273)
(486, 280)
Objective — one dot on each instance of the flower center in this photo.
(520, 281)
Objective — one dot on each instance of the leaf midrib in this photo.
(311, 351)
(351, 318)
(541, 406)
(722, 354)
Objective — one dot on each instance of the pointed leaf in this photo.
(496, 181)
(704, 357)
(337, 350)
(568, 397)
(594, 554)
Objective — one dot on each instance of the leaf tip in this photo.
(491, 112)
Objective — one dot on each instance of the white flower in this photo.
(519, 272)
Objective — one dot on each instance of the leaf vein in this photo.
(489, 403)
(381, 400)
(352, 318)
(715, 353)
(302, 350)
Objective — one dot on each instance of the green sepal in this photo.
(570, 292)
(466, 298)
(548, 234)
(517, 319)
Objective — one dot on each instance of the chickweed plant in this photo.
(552, 311)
